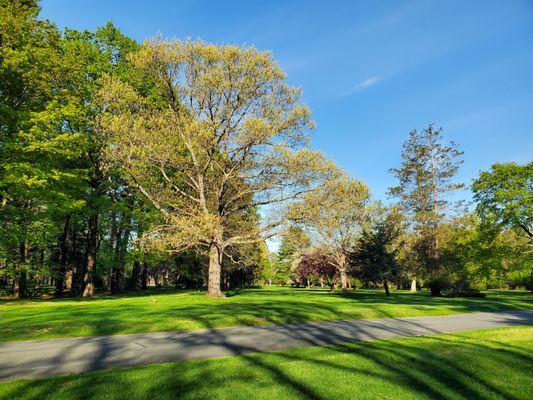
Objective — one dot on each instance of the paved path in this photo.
(75, 355)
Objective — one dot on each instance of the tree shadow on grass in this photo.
(102, 295)
(425, 371)
(440, 367)
(245, 307)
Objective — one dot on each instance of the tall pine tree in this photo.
(425, 178)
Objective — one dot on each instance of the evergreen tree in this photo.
(295, 241)
(425, 178)
(375, 257)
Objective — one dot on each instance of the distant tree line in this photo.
(423, 239)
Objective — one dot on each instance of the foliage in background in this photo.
(375, 256)
(425, 178)
(335, 214)
(504, 196)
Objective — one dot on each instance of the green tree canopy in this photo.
(504, 196)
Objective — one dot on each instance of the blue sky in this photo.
(370, 70)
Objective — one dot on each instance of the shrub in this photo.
(444, 285)
(437, 285)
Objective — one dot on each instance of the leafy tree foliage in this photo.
(68, 218)
(317, 265)
(504, 196)
(409, 258)
(336, 213)
(35, 178)
(228, 139)
(474, 258)
(293, 243)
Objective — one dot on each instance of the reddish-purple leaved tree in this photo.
(318, 265)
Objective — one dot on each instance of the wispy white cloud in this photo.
(366, 83)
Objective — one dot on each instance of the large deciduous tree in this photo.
(227, 139)
(335, 213)
(50, 176)
(504, 196)
(29, 168)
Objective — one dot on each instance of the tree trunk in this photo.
(144, 276)
(69, 276)
(63, 249)
(92, 244)
(122, 250)
(135, 275)
(96, 179)
(342, 271)
(436, 221)
(75, 282)
(215, 269)
(413, 284)
(20, 287)
(344, 279)
(386, 286)
(113, 240)
(41, 259)
(3, 278)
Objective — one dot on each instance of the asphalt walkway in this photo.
(44, 358)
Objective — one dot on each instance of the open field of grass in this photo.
(160, 310)
(486, 364)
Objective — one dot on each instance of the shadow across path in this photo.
(75, 355)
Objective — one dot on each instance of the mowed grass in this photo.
(487, 364)
(161, 310)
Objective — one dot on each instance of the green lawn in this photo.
(170, 310)
(487, 364)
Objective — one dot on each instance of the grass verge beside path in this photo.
(160, 310)
(484, 364)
